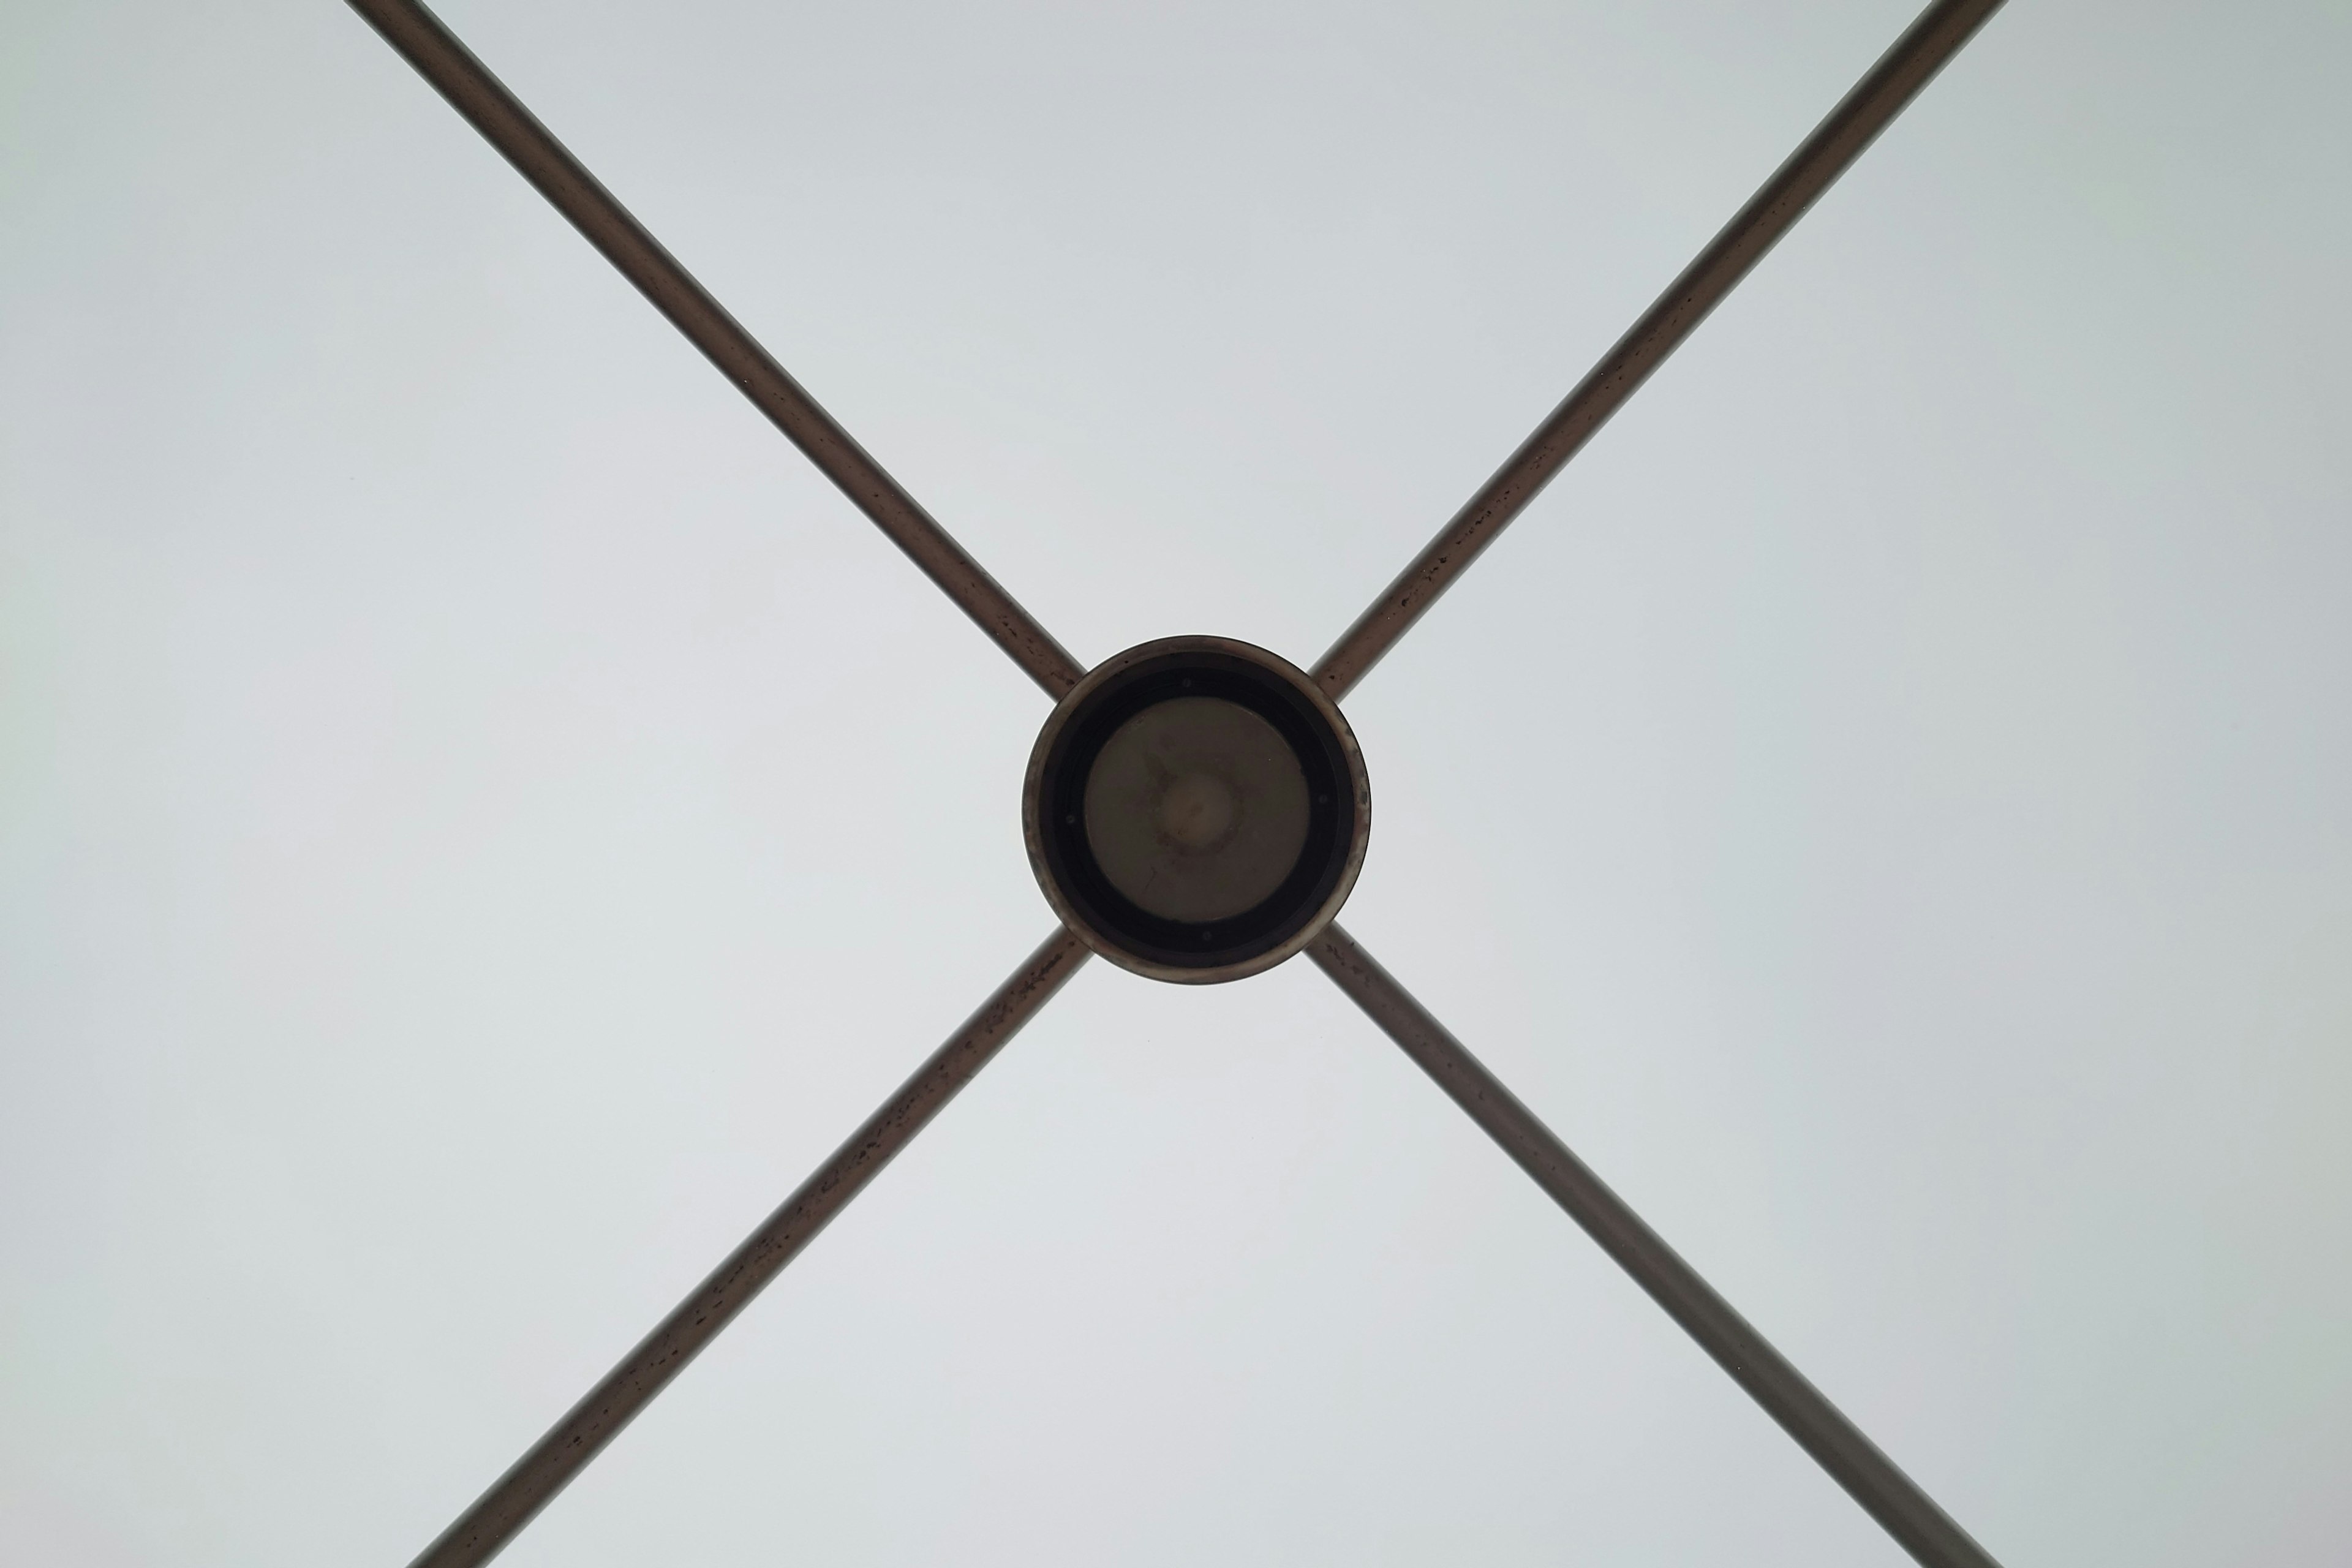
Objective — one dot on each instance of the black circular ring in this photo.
(1339, 810)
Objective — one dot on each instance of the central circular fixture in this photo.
(1196, 809)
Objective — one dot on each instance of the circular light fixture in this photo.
(1196, 809)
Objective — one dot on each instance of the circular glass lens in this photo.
(1196, 809)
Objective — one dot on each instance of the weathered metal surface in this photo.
(484, 1529)
(421, 39)
(1892, 1497)
(1835, 144)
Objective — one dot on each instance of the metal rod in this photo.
(484, 1529)
(1835, 143)
(1892, 1497)
(482, 98)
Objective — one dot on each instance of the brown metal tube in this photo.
(482, 98)
(484, 1529)
(1892, 1497)
(1835, 144)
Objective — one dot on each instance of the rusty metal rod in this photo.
(1891, 1498)
(1835, 144)
(484, 1529)
(421, 39)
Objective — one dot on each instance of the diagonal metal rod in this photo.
(484, 1529)
(1892, 1497)
(1835, 143)
(482, 98)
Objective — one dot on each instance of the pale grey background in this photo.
(480, 818)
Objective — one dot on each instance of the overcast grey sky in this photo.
(480, 818)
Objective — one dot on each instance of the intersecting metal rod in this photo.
(484, 1529)
(1835, 143)
(1892, 1497)
(421, 39)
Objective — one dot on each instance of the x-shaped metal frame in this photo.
(1907, 1513)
